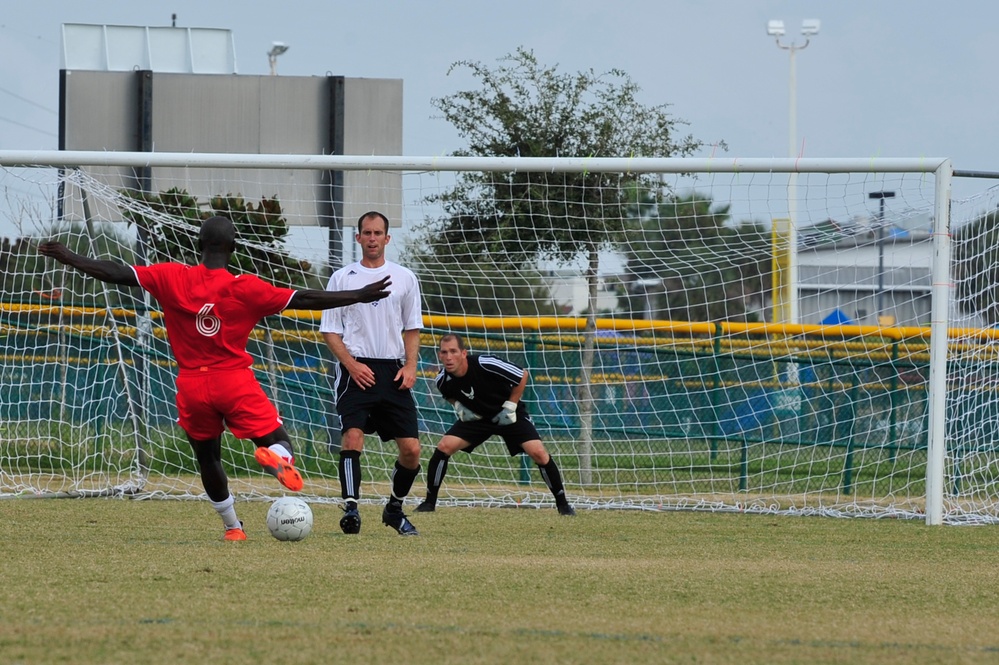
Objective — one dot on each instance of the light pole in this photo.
(277, 48)
(809, 28)
(881, 196)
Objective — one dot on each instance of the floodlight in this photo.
(810, 27)
(775, 28)
(277, 48)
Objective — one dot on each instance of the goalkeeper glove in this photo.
(465, 414)
(508, 415)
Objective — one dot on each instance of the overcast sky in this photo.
(892, 78)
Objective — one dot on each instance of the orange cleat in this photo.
(234, 534)
(280, 468)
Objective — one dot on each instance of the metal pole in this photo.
(792, 112)
(881, 260)
(879, 294)
(936, 445)
(809, 28)
(792, 191)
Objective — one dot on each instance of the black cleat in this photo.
(427, 506)
(351, 520)
(566, 510)
(394, 517)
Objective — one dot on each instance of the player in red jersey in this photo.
(209, 314)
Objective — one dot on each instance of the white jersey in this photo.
(374, 330)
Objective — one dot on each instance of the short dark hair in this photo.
(456, 337)
(217, 235)
(372, 214)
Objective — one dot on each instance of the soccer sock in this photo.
(350, 475)
(282, 450)
(402, 482)
(552, 478)
(436, 470)
(227, 511)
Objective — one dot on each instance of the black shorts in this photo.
(514, 435)
(383, 409)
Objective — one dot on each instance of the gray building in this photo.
(853, 272)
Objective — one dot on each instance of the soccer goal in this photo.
(759, 335)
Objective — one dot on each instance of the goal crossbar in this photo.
(486, 164)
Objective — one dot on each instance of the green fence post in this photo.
(848, 463)
(744, 465)
(530, 356)
(525, 470)
(713, 394)
(892, 410)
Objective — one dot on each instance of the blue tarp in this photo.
(837, 318)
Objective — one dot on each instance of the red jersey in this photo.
(209, 314)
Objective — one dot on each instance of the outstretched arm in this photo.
(106, 271)
(317, 299)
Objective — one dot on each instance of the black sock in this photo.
(402, 482)
(213, 478)
(436, 470)
(552, 478)
(350, 474)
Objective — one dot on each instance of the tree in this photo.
(707, 268)
(481, 288)
(976, 266)
(260, 232)
(512, 220)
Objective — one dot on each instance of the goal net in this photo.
(752, 335)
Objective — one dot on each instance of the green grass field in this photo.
(119, 581)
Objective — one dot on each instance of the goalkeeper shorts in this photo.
(514, 435)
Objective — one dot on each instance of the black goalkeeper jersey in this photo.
(485, 386)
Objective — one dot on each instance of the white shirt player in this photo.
(374, 330)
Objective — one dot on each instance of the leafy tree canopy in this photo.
(521, 108)
(707, 268)
(260, 233)
(976, 266)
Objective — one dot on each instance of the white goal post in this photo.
(641, 294)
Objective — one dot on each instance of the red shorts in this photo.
(208, 402)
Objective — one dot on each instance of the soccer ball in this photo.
(289, 518)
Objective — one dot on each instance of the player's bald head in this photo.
(217, 235)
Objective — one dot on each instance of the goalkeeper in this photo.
(209, 314)
(486, 393)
